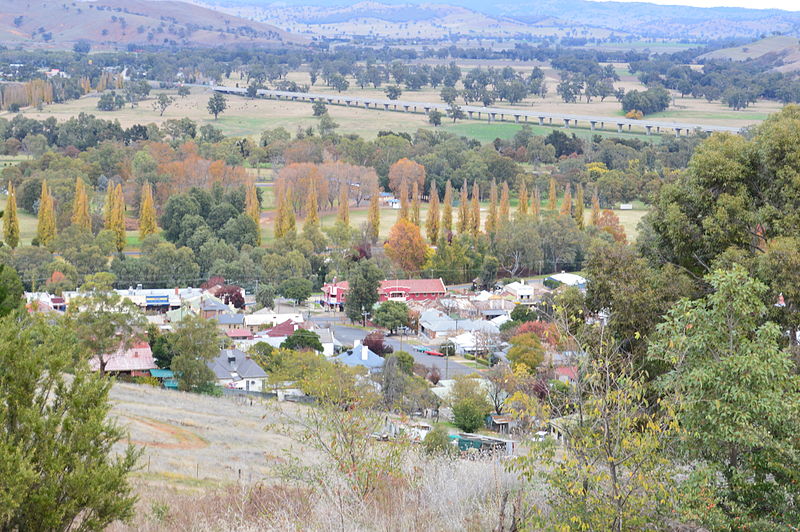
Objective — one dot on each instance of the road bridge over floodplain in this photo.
(491, 114)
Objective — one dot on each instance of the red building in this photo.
(335, 294)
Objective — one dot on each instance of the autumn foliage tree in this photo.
(491, 218)
(374, 217)
(432, 224)
(80, 207)
(147, 213)
(406, 247)
(116, 221)
(10, 220)
(504, 211)
(46, 227)
(609, 222)
(408, 171)
(447, 209)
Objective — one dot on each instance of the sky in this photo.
(788, 5)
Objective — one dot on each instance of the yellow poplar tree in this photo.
(108, 205)
(344, 204)
(463, 209)
(578, 212)
(80, 207)
(475, 211)
(536, 204)
(403, 214)
(522, 207)
(117, 221)
(595, 217)
(147, 213)
(491, 218)
(505, 207)
(46, 227)
(312, 211)
(374, 218)
(415, 203)
(10, 219)
(566, 203)
(447, 209)
(432, 224)
(251, 204)
(551, 195)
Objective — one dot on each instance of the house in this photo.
(334, 294)
(283, 330)
(153, 299)
(239, 334)
(566, 374)
(521, 293)
(44, 302)
(137, 361)
(567, 279)
(435, 324)
(494, 308)
(235, 369)
(361, 356)
(212, 308)
(228, 321)
(266, 318)
(502, 423)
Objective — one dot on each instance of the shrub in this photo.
(437, 442)
(469, 413)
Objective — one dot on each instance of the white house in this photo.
(234, 369)
(522, 293)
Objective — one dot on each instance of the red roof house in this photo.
(136, 361)
(239, 334)
(283, 329)
(335, 294)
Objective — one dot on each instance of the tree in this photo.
(11, 290)
(447, 210)
(392, 315)
(463, 209)
(296, 288)
(469, 404)
(285, 220)
(184, 91)
(566, 202)
(578, 211)
(302, 339)
(437, 442)
(393, 92)
(736, 396)
(517, 246)
(552, 199)
(435, 117)
(363, 290)
(609, 223)
(80, 207)
(414, 204)
(103, 321)
(319, 108)
(343, 214)
(475, 211)
(374, 217)
(116, 221)
(526, 350)
(217, 104)
(163, 102)
(522, 205)
(406, 247)
(503, 214)
(491, 219)
(195, 343)
(594, 218)
(265, 296)
(455, 112)
(147, 213)
(500, 381)
(402, 214)
(252, 205)
(408, 171)
(432, 223)
(10, 220)
(61, 467)
(46, 226)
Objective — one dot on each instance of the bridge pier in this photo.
(470, 114)
(406, 108)
(677, 132)
(541, 120)
(427, 110)
(629, 127)
(592, 124)
(386, 107)
(551, 120)
(602, 125)
(347, 102)
(566, 123)
(516, 119)
(619, 128)
(648, 128)
(492, 116)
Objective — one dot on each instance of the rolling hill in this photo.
(782, 49)
(113, 24)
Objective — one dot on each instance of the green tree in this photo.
(265, 296)
(517, 246)
(469, 403)
(437, 442)
(46, 227)
(363, 290)
(296, 288)
(435, 117)
(10, 220)
(392, 315)
(163, 102)
(217, 105)
(526, 350)
(737, 399)
(302, 339)
(11, 290)
(196, 343)
(319, 108)
(60, 468)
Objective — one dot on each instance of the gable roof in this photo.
(283, 329)
(230, 319)
(239, 333)
(138, 358)
(235, 365)
(411, 286)
(362, 356)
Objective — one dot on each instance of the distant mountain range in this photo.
(637, 18)
(119, 23)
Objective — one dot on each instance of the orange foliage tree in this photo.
(408, 171)
(406, 247)
(609, 222)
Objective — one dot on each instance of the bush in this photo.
(469, 414)
(150, 381)
(437, 442)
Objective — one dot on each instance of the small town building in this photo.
(361, 356)
(235, 369)
(334, 295)
(136, 361)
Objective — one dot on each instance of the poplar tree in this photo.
(566, 203)
(595, 209)
(415, 203)
(432, 224)
(522, 207)
(536, 204)
(312, 211)
(284, 220)
(475, 210)
(578, 212)
(447, 210)
(117, 220)
(10, 219)
(46, 227)
(147, 213)
(403, 214)
(108, 205)
(252, 207)
(80, 207)
(505, 207)
(344, 204)
(551, 196)
(374, 218)
(463, 209)
(491, 218)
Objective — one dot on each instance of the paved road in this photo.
(348, 335)
(488, 113)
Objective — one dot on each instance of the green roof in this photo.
(162, 373)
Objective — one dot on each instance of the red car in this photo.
(433, 353)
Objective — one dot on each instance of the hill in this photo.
(539, 17)
(782, 49)
(113, 24)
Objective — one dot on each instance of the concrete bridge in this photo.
(490, 114)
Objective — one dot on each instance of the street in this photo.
(348, 335)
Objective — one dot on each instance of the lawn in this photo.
(485, 132)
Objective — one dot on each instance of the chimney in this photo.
(364, 352)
